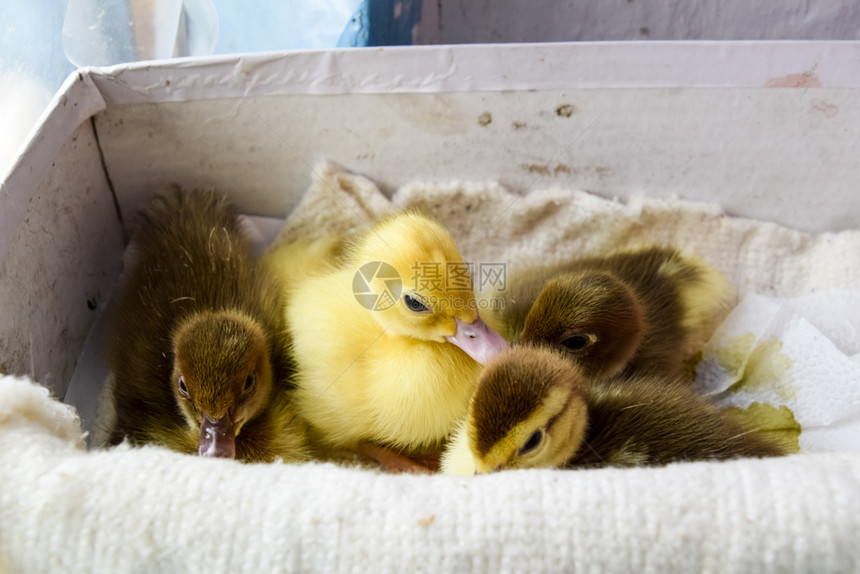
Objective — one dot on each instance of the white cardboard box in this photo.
(701, 121)
(767, 130)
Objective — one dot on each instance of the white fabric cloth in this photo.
(768, 352)
(150, 510)
(145, 510)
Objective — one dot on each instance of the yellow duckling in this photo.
(199, 357)
(649, 308)
(533, 408)
(387, 338)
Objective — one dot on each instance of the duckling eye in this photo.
(414, 304)
(533, 442)
(249, 383)
(182, 388)
(577, 342)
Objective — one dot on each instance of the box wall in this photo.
(61, 265)
(456, 21)
(777, 155)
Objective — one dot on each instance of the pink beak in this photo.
(477, 340)
(217, 438)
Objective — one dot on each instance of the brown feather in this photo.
(514, 394)
(637, 420)
(196, 301)
(627, 420)
(632, 304)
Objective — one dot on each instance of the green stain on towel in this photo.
(756, 368)
(777, 425)
(689, 366)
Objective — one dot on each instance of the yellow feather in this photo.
(706, 301)
(457, 459)
(386, 375)
(294, 261)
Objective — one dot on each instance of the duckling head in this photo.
(528, 411)
(592, 317)
(435, 300)
(222, 376)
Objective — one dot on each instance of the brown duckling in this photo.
(199, 352)
(534, 409)
(649, 308)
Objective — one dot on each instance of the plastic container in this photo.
(105, 32)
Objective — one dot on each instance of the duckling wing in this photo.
(293, 262)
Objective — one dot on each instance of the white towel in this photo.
(150, 510)
(147, 510)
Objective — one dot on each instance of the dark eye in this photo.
(576, 342)
(533, 442)
(249, 383)
(414, 304)
(182, 388)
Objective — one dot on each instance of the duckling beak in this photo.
(477, 340)
(217, 437)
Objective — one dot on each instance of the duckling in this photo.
(199, 350)
(291, 262)
(650, 308)
(388, 341)
(533, 408)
